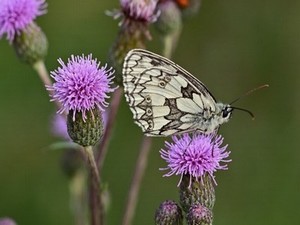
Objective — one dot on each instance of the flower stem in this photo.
(95, 195)
(170, 43)
(136, 180)
(41, 70)
(100, 155)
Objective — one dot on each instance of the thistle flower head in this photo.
(143, 10)
(195, 156)
(199, 215)
(16, 15)
(168, 212)
(81, 85)
(7, 221)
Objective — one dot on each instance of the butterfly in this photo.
(165, 99)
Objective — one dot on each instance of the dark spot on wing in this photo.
(155, 62)
(187, 92)
(175, 113)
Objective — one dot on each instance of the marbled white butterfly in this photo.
(165, 99)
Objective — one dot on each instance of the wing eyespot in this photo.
(167, 78)
(149, 111)
(150, 125)
(162, 84)
(148, 99)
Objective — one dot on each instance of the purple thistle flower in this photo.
(195, 155)
(16, 15)
(143, 10)
(7, 221)
(81, 85)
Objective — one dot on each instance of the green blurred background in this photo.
(232, 46)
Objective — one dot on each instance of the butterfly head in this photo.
(223, 113)
(226, 112)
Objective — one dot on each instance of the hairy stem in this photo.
(136, 180)
(96, 208)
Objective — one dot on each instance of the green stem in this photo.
(170, 43)
(40, 68)
(140, 168)
(96, 207)
(42, 71)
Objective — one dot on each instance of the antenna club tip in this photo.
(253, 118)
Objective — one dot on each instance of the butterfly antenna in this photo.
(245, 110)
(248, 93)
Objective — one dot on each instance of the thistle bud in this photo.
(168, 213)
(169, 20)
(31, 45)
(193, 191)
(134, 29)
(85, 131)
(199, 215)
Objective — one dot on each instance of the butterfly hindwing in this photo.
(164, 98)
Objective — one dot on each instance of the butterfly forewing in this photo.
(164, 98)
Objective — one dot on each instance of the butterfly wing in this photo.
(164, 98)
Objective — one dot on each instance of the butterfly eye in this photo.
(226, 112)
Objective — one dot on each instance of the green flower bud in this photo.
(88, 131)
(199, 215)
(169, 20)
(193, 192)
(31, 45)
(168, 213)
(131, 35)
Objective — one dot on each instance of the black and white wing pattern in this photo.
(164, 98)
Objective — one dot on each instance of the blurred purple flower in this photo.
(15, 15)
(59, 127)
(81, 85)
(6, 220)
(195, 155)
(144, 10)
